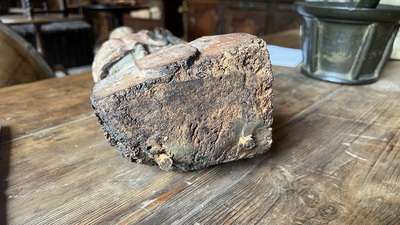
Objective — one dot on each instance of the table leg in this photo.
(39, 40)
(117, 20)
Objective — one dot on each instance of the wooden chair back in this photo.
(19, 61)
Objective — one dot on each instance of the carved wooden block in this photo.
(191, 105)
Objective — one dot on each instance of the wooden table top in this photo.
(335, 158)
(38, 19)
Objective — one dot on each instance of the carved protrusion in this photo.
(163, 161)
(247, 142)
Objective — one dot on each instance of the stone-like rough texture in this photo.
(191, 105)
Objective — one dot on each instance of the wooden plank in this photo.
(335, 159)
(325, 166)
(45, 103)
(70, 175)
(389, 80)
(294, 93)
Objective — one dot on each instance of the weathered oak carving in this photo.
(190, 105)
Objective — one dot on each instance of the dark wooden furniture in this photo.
(39, 7)
(38, 21)
(334, 159)
(258, 17)
(116, 11)
(171, 18)
(63, 37)
(143, 23)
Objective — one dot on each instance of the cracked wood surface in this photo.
(191, 106)
(335, 159)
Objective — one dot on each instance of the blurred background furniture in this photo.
(115, 12)
(258, 17)
(19, 60)
(37, 22)
(34, 7)
(73, 43)
(65, 38)
(161, 13)
(140, 14)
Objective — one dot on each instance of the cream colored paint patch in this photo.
(396, 44)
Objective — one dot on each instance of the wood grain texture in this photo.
(190, 106)
(19, 61)
(335, 159)
(46, 105)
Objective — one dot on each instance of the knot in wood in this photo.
(163, 161)
(247, 142)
